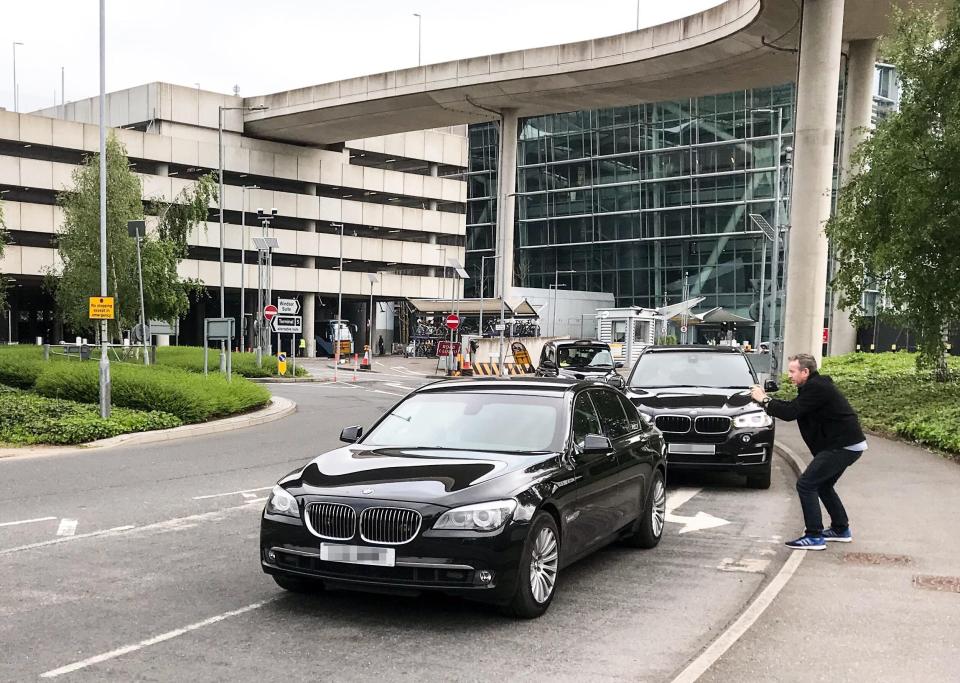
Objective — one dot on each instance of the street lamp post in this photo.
(243, 259)
(507, 196)
(556, 285)
(104, 355)
(373, 280)
(16, 98)
(419, 36)
(483, 260)
(137, 230)
(337, 323)
(220, 110)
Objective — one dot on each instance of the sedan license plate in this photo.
(692, 448)
(358, 554)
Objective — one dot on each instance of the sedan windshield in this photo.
(691, 369)
(475, 420)
(584, 357)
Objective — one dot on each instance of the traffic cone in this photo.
(466, 368)
(365, 363)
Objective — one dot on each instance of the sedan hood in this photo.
(409, 474)
(672, 398)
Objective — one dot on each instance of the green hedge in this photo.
(893, 398)
(29, 419)
(20, 365)
(189, 396)
(190, 358)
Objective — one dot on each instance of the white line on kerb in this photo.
(27, 521)
(68, 527)
(169, 635)
(232, 493)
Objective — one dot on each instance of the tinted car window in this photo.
(473, 420)
(585, 419)
(692, 369)
(584, 357)
(633, 417)
(612, 417)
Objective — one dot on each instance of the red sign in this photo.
(443, 348)
(269, 311)
(826, 335)
(453, 322)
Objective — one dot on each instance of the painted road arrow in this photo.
(698, 522)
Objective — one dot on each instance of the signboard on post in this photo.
(444, 348)
(101, 308)
(288, 306)
(287, 324)
(453, 321)
(219, 329)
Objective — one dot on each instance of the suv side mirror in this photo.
(771, 385)
(618, 364)
(595, 443)
(351, 434)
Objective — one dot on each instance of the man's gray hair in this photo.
(805, 360)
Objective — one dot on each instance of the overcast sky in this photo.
(266, 46)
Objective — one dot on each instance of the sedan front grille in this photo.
(712, 424)
(390, 526)
(334, 521)
(673, 424)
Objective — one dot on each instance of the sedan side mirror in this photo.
(595, 443)
(771, 385)
(351, 434)
(618, 364)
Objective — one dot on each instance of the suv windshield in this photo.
(473, 420)
(584, 356)
(691, 368)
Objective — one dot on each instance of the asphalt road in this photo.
(140, 563)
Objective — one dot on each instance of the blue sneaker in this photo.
(838, 536)
(808, 543)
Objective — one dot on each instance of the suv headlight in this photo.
(758, 419)
(479, 517)
(282, 503)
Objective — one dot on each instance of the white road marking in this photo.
(680, 496)
(27, 521)
(68, 527)
(232, 493)
(169, 635)
(64, 539)
(391, 393)
(248, 495)
(698, 522)
(398, 386)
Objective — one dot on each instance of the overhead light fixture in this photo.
(28, 145)
(389, 161)
(394, 199)
(393, 231)
(347, 196)
(367, 194)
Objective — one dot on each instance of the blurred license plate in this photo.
(357, 554)
(693, 448)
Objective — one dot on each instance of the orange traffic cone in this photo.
(466, 367)
(365, 363)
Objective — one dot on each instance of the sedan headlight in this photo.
(479, 517)
(282, 503)
(754, 420)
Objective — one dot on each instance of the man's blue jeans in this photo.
(816, 484)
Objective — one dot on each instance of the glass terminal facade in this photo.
(637, 199)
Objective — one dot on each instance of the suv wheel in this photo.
(760, 480)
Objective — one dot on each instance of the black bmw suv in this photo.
(699, 397)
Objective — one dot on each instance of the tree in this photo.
(897, 223)
(165, 293)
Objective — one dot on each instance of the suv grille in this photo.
(712, 424)
(673, 424)
(391, 526)
(335, 521)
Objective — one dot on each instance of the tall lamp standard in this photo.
(220, 110)
(374, 279)
(337, 323)
(556, 285)
(419, 36)
(104, 355)
(775, 261)
(243, 260)
(16, 98)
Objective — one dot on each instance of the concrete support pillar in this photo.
(856, 126)
(506, 187)
(816, 127)
(309, 306)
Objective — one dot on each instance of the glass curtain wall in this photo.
(632, 198)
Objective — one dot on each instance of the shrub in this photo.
(29, 419)
(190, 358)
(189, 396)
(20, 365)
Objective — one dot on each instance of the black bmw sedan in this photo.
(485, 488)
(699, 397)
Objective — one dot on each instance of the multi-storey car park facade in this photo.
(397, 197)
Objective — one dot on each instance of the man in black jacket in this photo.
(831, 430)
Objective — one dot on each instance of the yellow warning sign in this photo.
(101, 308)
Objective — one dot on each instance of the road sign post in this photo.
(452, 322)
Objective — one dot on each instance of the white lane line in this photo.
(680, 496)
(726, 640)
(233, 493)
(68, 527)
(27, 521)
(397, 386)
(169, 635)
(64, 539)
(391, 393)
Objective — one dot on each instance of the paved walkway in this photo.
(858, 611)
